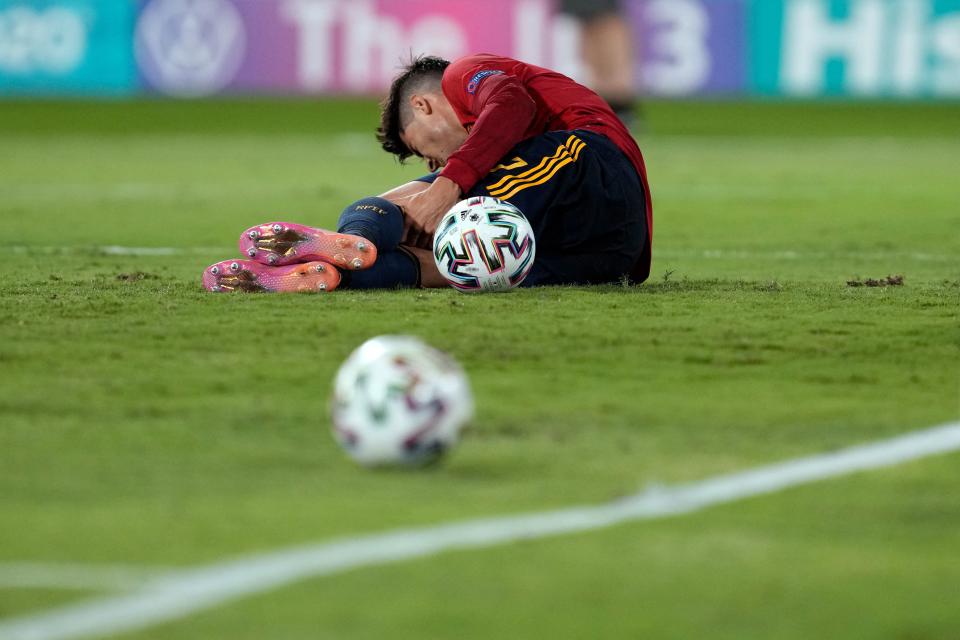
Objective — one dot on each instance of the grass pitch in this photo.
(146, 422)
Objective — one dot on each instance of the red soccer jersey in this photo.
(502, 101)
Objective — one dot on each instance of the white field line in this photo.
(816, 144)
(182, 593)
(28, 575)
(705, 254)
(745, 254)
(116, 250)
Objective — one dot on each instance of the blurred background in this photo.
(898, 49)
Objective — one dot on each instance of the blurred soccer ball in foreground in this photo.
(397, 400)
(484, 244)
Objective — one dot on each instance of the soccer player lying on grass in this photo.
(486, 126)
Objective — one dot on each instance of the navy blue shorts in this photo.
(584, 199)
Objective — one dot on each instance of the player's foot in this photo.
(279, 243)
(253, 277)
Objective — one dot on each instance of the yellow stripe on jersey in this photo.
(560, 151)
(517, 163)
(543, 172)
(547, 177)
(545, 167)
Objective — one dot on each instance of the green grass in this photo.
(147, 422)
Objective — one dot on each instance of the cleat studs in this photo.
(361, 246)
(356, 263)
(215, 270)
(234, 266)
(278, 229)
(322, 286)
(253, 234)
(252, 251)
(215, 288)
(272, 259)
(320, 268)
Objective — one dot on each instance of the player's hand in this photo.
(425, 210)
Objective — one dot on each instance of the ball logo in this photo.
(190, 47)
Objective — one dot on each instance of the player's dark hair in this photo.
(395, 111)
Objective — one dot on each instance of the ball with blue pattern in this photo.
(484, 244)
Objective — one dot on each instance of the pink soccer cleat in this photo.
(279, 243)
(253, 277)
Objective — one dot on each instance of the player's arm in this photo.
(503, 109)
(401, 194)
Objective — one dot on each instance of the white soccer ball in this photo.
(397, 400)
(484, 244)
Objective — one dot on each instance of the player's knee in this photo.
(376, 219)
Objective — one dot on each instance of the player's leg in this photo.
(293, 257)
(583, 199)
(283, 243)
(280, 243)
(607, 48)
(430, 277)
(596, 228)
(247, 276)
(381, 222)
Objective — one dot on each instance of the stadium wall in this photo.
(898, 49)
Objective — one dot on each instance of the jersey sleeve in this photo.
(487, 96)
